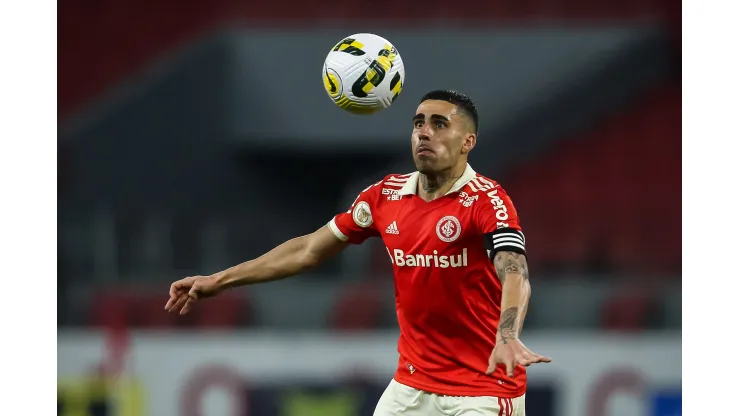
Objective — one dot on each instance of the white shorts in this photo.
(399, 399)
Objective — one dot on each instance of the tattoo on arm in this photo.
(521, 322)
(507, 326)
(507, 262)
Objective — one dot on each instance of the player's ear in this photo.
(468, 143)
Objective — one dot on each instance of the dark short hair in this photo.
(460, 100)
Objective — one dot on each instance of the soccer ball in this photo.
(363, 73)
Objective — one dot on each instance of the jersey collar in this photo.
(409, 188)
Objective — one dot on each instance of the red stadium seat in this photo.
(97, 46)
(359, 308)
(148, 311)
(110, 310)
(617, 187)
(228, 310)
(628, 312)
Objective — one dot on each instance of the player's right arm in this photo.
(288, 259)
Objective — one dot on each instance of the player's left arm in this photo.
(511, 267)
(504, 239)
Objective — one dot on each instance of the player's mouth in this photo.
(424, 151)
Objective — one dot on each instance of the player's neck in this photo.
(433, 186)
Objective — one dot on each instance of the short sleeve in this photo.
(356, 224)
(499, 223)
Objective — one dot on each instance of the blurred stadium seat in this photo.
(359, 307)
(614, 188)
(229, 312)
(98, 49)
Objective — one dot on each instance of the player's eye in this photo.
(440, 125)
(418, 124)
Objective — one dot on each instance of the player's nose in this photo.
(423, 134)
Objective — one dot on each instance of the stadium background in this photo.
(196, 135)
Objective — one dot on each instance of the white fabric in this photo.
(401, 400)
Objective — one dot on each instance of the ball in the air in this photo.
(363, 73)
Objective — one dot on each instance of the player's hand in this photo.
(510, 352)
(186, 292)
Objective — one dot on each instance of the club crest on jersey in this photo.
(448, 229)
(361, 214)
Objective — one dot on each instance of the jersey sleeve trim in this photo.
(336, 231)
(505, 239)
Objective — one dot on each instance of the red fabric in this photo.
(448, 296)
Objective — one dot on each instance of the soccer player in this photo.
(459, 260)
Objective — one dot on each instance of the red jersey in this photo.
(448, 296)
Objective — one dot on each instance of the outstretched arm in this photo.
(288, 259)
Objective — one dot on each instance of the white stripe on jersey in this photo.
(472, 186)
(396, 181)
(481, 184)
(477, 184)
(487, 184)
(336, 231)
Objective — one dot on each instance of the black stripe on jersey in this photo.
(504, 239)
